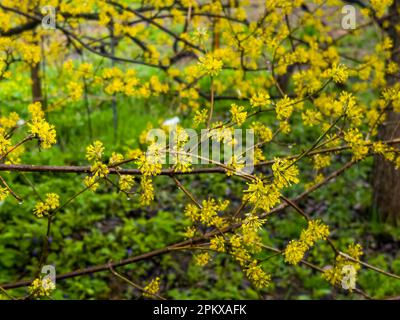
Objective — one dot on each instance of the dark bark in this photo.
(19, 29)
(386, 179)
(36, 83)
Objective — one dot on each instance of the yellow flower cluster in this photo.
(296, 249)
(358, 145)
(380, 6)
(397, 163)
(202, 259)
(190, 232)
(91, 182)
(115, 159)
(392, 96)
(260, 99)
(284, 108)
(3, 193)
(338, 73)
(147, 195)
(383, 149)
(4, 142)
(99, 169)
(200, 117)
(316, 230)
(126, 183)
(311, 117)
(257, 275)
(41, 287)
(152, 288)
(75, 90)
(94, 153)
(235, 165)
(40, 128)
(10, 121)
(150, 163)
(262, 131)
(251, 224)
(285, 172)
(239, 246)
(221, 133)
(238, 114)
(43, 208)
(113, 80)
(321, 161)
(217, 243)
(261, 195)
(339, 274)
(210, 65)
(258, 156)
(208, 214)
(178, 155)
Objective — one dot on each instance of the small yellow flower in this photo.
(202, 259)
(262, 131)
(316, 230)
(99, 169)
(321, 161)
(210, 65)
(260, 99)
(3, 193)
(152, 288)
(200, 117)
(190, 232)
(295, 251)
(338, 73)
(53, 200)
(75, 90)
(217, 243)
(41, 287)
(238, 115)
(284, 108)
(91, 182)
(4, 142)
(358, 146)
(40, 128)
(257, 275)
(115, 159)
(126, 183)
(147, 195)
(285, 173)
(95, 151)
(43, 208)
(261, 195)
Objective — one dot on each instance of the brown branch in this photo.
(19, 29)
(165, 172)
(10, 190)
(86, 169)
(314, 267)
(136, 286)
(26, 139)
(157, 252)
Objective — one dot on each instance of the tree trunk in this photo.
(36, 83)
(386, 179)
